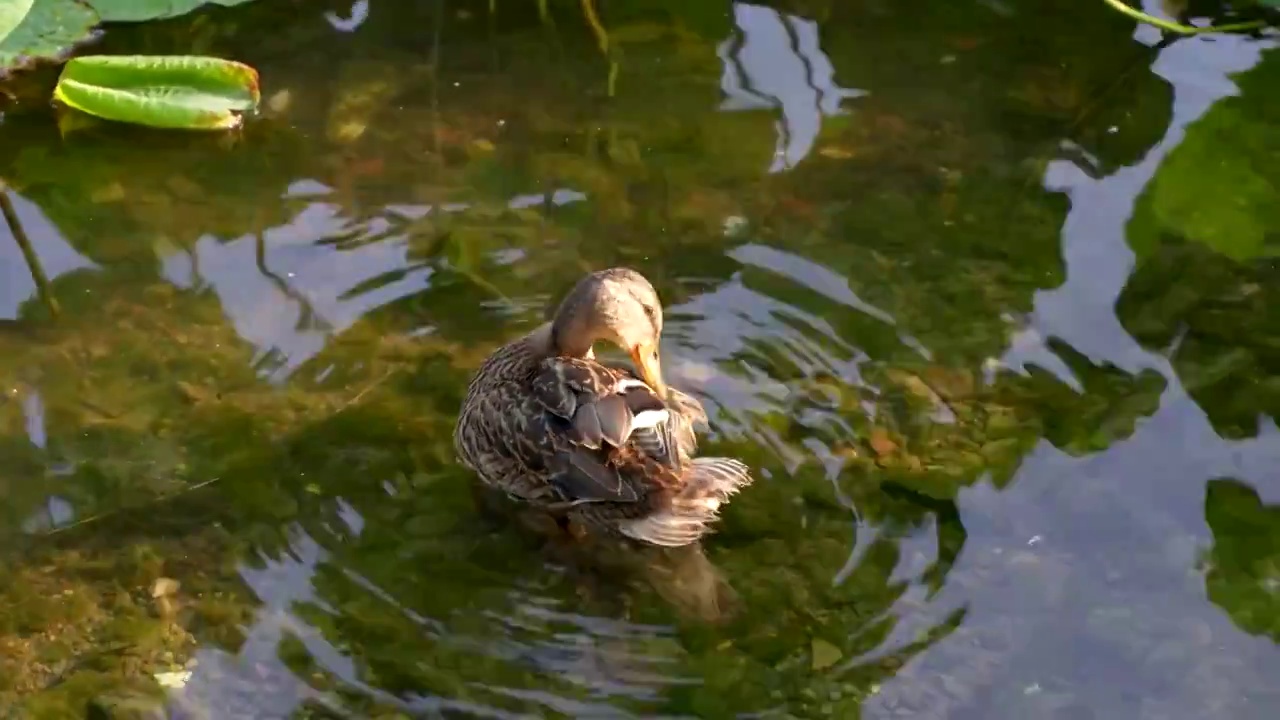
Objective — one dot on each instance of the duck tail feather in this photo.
(708, 484)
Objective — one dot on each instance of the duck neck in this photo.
(569, 336)
(546, 343)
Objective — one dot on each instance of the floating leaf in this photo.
(197, 93)
(50, 29)
(138, 10)
(12, 12)
(41, 29)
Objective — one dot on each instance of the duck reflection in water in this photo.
(608, 568)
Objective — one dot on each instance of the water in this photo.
(983, 291)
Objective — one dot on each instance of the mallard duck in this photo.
(594, 445)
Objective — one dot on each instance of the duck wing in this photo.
(606, 434)
(673, 441)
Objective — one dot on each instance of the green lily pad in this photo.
(139, 10)
(32, 30)
(12, 13)
(41, 30)
(180, 92)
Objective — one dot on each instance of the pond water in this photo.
(983, 291)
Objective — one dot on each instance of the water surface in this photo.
(983, 290)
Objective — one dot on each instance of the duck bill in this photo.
(646, 360)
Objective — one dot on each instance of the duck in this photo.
(596, 446)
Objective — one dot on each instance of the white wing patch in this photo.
(649, 419)
(627, 383)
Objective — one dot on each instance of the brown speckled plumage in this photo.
(548, 424)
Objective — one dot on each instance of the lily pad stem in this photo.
(602, 38)
(1179, 27)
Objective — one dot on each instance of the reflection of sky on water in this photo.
(57, 257)
(233, 682)
(1094, 249)
(613, 658)
(775, 61)
(1072, 527)
(712, 335)
(300, 294)
(290, 300)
